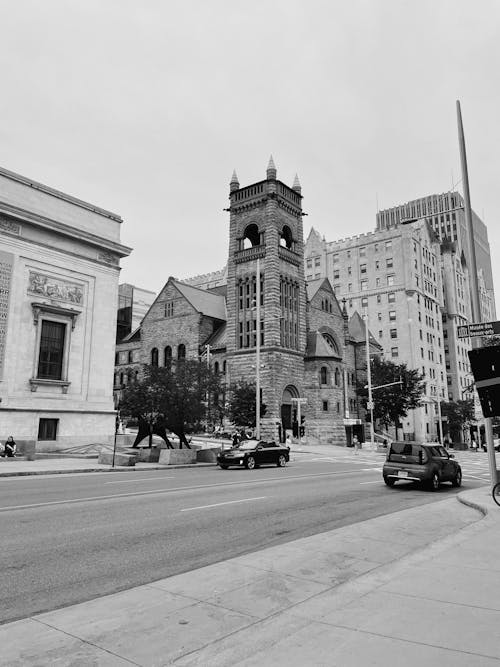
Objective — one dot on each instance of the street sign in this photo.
(479, 329)
(370, 405)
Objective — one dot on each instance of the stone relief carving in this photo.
(53, 288)
(7, 225)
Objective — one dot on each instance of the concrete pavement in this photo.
(419, 586)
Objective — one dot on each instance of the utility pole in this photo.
(476, 305)
(369, 379)
(257, 352)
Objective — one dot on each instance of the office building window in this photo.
(394, 352)
(379, 298)
(364, 302)
(362, 268)
(388, 263)
(364, 285)
(390, 279)
(392, 315)
(391, 297)
(394, 333)
(388, 245)
(362, 251)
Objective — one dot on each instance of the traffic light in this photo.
(485, 364)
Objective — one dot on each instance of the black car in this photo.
(426, 463)
(253, 453)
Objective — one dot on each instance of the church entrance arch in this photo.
(288, 409)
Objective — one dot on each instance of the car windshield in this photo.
(248, 444)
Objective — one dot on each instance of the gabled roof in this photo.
(207, 303)
(313, 286)
(317, 346)
(133, 336)
(217, 340)
(357, 330)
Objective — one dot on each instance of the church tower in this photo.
(266, 230)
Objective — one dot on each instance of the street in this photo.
(70, 538)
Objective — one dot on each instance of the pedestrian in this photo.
(288, 441)
(10, 447)
(483, 444)
(236, 439)
(356, 443)
(473, 444)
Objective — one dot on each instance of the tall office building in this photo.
(446, 215)
(395, 276)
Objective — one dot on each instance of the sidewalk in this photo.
(419, 586)
(52, 466)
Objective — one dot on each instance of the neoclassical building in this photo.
(59, 268)
(310, 350)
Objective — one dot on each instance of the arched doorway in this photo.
(288, 410)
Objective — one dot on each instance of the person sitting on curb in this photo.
(10, 447)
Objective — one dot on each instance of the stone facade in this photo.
(309, 349)
(59, 273)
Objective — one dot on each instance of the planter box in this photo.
(106, 458)
(207, 455)
(177, 456)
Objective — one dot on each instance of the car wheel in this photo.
(250, 463)
(457, 480)
(224, 467)
(435, 482)
(281, 462)
(389, 481)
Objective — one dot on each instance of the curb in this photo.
(115, 469)
(471, 503)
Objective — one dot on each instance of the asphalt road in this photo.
(70, 538)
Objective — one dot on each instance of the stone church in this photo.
(311, 353)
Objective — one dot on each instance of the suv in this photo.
(426, 463)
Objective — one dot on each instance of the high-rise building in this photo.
(446, 215)
(414, 271)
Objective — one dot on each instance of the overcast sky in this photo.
(145, 107)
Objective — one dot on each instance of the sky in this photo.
(145, 107)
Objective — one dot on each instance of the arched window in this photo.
(216, 368)
(130, 356)
(154, 356)
(136, 376)
(167, 356)
(181, 352)
(331, 343)
(323, 375)
(121, 380)
(224, 367)
(251, 237)
(337, 377)
(286, 238)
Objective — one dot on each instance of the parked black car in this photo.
(426, 463)
(253, 453)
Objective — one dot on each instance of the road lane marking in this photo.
(376, 481)
(143, 479)
(133, 494)
(229, 502)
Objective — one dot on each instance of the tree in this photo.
(460, 415)
(173, 397)
(241, 405)
(392, 403)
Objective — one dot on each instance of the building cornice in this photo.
(58, 194)
(23, 215)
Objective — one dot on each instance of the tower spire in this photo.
(271, 170)
(234, 183)
(296, 184)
